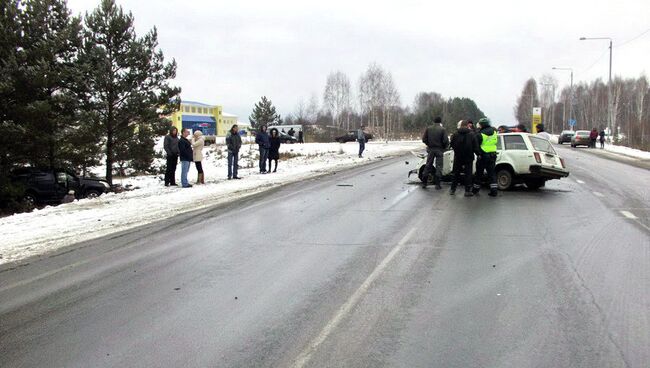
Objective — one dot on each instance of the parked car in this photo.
(581, 138)
(521, 158)
(42, 186)
(565, 136)
(286, 138)
(351, 136)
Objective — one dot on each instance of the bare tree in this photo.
(311, 113)
(526, 101)
(336, 96)
(300, 112)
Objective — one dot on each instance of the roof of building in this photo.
(227, 115)
(196, 103)
(199, 118)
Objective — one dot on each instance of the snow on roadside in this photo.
(621, 150)
(53, 227)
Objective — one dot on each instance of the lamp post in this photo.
(552, 106)
(609, 84)
(570, 92)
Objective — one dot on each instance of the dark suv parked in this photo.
(351, 136)
(51, 185)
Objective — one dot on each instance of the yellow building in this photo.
(199, 116)
(228, 121)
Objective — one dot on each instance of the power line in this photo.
(633, 38)
(595, 62)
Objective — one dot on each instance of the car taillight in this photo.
(562, 162)
(537, 157)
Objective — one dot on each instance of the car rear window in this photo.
(540, 144)
(514, 142)
(583, 133)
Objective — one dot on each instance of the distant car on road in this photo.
(43, 186)
(581, 138)
(351, 136)
(565, 136)
(521, 158)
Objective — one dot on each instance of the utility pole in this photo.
(570, 92)
(610, 101)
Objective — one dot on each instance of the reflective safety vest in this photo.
(489, 142)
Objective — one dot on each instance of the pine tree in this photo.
(263, 113)
(47, 80)
(128, 81)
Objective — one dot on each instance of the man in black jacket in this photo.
(185, 150)
(233, 142)
(465, 146)
(171, 149)
(435, 137)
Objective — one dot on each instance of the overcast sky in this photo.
(232, 52)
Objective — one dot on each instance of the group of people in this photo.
(467, 142)
(191, 150)
(188, 151)
(594, 135)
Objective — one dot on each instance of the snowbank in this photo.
(621, 150)
(52, 227)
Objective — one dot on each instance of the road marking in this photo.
(629, 215)
(599, 194)
(306, 355)
(580, 181)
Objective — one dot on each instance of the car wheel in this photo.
(534, 184)
(92, 194)
(29, 200)
(504, 179)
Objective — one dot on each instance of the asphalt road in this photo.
(357, 269)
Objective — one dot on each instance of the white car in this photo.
(521, 158)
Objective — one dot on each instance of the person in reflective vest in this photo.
(487, 141)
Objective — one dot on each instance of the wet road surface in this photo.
(358, 269)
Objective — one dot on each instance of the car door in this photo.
(517, 152)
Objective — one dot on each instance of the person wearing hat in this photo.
(486, 139)
(436, 139)
(464, 145)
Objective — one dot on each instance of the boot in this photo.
(452, 191)
(469, 193)
(202, 178)
(198, 179)
(437, 182)
(493, 193)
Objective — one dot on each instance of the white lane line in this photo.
(599, 194)
(580, 181)
(306, 355)
(629, 215)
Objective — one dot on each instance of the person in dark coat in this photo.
(301, 137)
(361, 138)
(464, 145)
(602, 138)
(291, 132)
(233, 142)
(486, 140)
(170, 144)
(274, 150)
(185, 150)
(436, 139)
(264, 143)
(593, 136)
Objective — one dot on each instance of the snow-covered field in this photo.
(52, 227)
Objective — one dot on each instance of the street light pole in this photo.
(570, 92)
(610, 101)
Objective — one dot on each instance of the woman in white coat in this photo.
(197, 149)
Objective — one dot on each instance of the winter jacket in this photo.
(464, 145)
(185, 149)
(197, 146)
(544, 135)
(602, 135)
(361, 136)
(263, 139)
(593, 134)
(171, 145)
(488, 130)
(233, 142)
(435, 137)
(274, 151)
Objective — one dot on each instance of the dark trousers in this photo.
(602, 143)
(486, 162)
(593, 143)
(233, 163)
(437, 155)
(362, 146)
(462, 168)
(199, 167)
(170, 170)
(264, 155)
